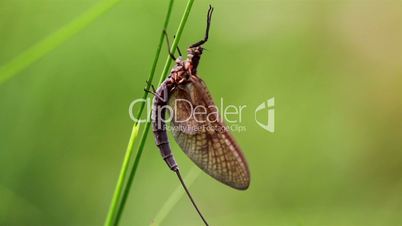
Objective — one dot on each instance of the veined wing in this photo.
(201, 134)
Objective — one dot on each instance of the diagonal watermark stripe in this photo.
(55, 39)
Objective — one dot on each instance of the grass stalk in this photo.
(121, 192)
(115, 208)
(148, 123)
(52, 41)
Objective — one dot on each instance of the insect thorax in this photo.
(185, 68)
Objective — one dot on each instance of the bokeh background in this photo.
(334, 68)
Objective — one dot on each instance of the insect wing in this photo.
(200, 133)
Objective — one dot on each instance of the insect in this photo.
(203, 137)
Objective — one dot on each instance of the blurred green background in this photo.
(334, 68)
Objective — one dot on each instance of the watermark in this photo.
(269, 107)
(183, 115)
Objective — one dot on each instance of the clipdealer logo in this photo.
(232, 114)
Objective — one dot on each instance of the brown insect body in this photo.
(205, 138)
(179, 75)
(208, 144)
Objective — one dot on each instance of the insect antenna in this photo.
(209, 16)
(189, 195)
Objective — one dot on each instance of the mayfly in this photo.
(203, 137)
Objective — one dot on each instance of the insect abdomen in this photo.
(159, 127)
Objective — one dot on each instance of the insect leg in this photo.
(178, 49)
(154, 92)
(150, 85)
(209, 16)
(168, 44)
(149, 91)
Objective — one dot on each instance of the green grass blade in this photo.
(118, 201)
(147, 125)
(120, 184)
(52, 41)
(156, 59)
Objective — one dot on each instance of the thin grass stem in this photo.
(148, 123)
(118, 202)
(52, 41)
(121, 192)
